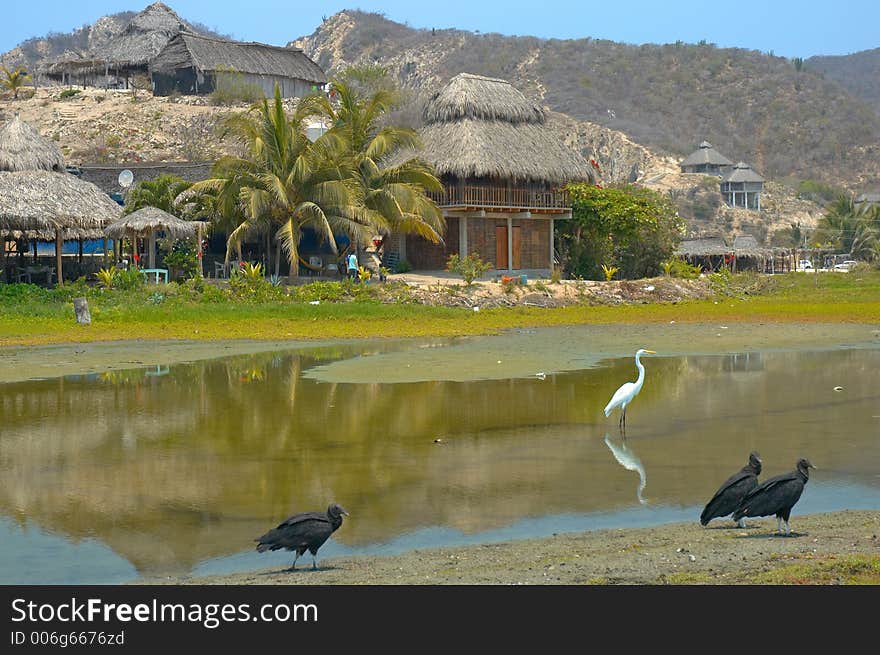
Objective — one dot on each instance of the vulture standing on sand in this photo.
(776, 496)
(735, 488)
(302, 532)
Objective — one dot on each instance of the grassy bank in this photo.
(30, 315)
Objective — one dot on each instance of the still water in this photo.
(175, 470)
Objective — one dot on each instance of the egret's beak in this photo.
(650, 352)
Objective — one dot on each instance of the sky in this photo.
(787, 28)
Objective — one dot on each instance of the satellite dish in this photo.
(126, 177)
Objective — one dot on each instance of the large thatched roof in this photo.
(485, 127)
(702, 247)
(208, 54)
(147, 219)
(706, 154)
(746, 245)
(67, 234)
(22, 148)
(482, 98)
(143, 37)
(742, 172)
(44, 200)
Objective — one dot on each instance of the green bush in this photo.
(470, 267)
(129, 280)
(183, 260)
(248, 284)
(230, 87)
(69, 93)
(402, 266)
(677, 267)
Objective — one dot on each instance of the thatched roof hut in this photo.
(745, 245)
(481, 127)
(143, 37)
(742, 172)
(22, 148)
(705, 159)
(44, 200)
(702, 247)
(146, 220)
(207, 54)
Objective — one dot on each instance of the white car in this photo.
(805, 265)
(845, 266)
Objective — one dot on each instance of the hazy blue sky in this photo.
(789, 28)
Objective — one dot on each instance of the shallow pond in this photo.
(174, 470)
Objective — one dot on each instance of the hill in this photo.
(788, 124)
(858, 73)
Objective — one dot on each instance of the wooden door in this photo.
(501, 247)
(516, 248)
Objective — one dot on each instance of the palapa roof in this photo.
(22, 148)
(45, 200)
(703, 246)
(746, 244)
(209, 54)
(706, 154)
(147, 219)
(67, 234)
(143, 37)
(485, 127)
(742, 172)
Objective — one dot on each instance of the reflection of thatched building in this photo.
(503, 173)
(194, 64)
(706, 160)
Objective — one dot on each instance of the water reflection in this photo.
(628, 460)
(175, 469)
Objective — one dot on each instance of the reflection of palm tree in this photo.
(630, 462)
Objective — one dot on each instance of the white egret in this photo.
(629, 390)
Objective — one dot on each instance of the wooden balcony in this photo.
(512, 199)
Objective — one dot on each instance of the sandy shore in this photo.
(834, 548)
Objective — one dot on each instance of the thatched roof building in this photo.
(191, 63)
(148, 219)
(745, 245)
(702, 247)
(502, 169)
(481, 127)
(705, 159)
(22, 148)
(144, 37)
(742, 187)
(45, 200)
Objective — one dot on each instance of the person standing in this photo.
(353, 267)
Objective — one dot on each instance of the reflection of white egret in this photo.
(627, 391)
(630, 462)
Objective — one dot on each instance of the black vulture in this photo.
(776, 496)
(302, 532)
(730, 494)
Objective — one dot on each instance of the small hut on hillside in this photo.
(22, 148)
(742, 187)
(503, 171)
(194, 64)
(126, 56)
(706, 160)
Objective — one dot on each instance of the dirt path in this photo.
(832, 548)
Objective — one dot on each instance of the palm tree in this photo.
(849, 228)
(14, 80)
(160, 192)
(394, 194)
(285, 182)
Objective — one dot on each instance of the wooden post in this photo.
(81, 309)
(509, 242)
(59, 244)
(151, 258)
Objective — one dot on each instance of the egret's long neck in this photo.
(641, 368)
